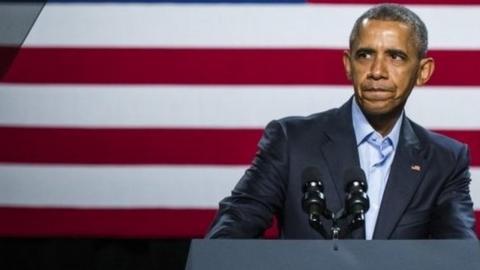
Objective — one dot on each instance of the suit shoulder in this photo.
(305, 122)
(440, 142)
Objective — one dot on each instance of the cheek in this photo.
(403, 80)
(358, 74)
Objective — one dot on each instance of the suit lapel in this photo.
(339, 150)
(405, 175)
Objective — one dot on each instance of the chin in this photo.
(382, 112)
(377, 109)
(374, 105)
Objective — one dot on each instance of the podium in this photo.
(328, 254)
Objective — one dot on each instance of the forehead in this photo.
(385, 33)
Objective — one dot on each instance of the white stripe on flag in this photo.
(199, 106)
(226, 25)
(128, 186)
(116, 186)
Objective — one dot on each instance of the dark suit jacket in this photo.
(432, 202)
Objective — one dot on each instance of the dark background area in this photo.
(81, 253)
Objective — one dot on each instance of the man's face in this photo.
(384, 67)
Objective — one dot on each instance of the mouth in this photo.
(377, 86)
(377, 94)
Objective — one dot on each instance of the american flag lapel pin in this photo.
(416, 168)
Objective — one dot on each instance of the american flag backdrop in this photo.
(134, 118)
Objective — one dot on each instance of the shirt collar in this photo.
(363, 129)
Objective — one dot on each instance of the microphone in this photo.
(313, 202)
(357, 202)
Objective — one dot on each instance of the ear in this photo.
(347, 64)
(427, 66)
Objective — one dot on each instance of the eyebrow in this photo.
(398, 52)
(364, 50)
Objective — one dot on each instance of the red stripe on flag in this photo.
(162, 223)
(477, 222)
(210, 66)
(104, 222)
(128, 146)
(472, 138)
(149, 146)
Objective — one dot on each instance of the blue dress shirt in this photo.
(376, 155)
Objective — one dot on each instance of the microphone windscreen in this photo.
(355, 174)
(310, 174)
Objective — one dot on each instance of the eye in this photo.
(363, 54)
(398, 56)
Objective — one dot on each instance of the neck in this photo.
(384, 123)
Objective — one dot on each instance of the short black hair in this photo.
(396, 13)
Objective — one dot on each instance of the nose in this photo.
(378, 69)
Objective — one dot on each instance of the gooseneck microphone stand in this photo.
(352, 216)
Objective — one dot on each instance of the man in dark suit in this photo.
(418, 180)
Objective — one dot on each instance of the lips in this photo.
(377, 87)
(377, 94)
